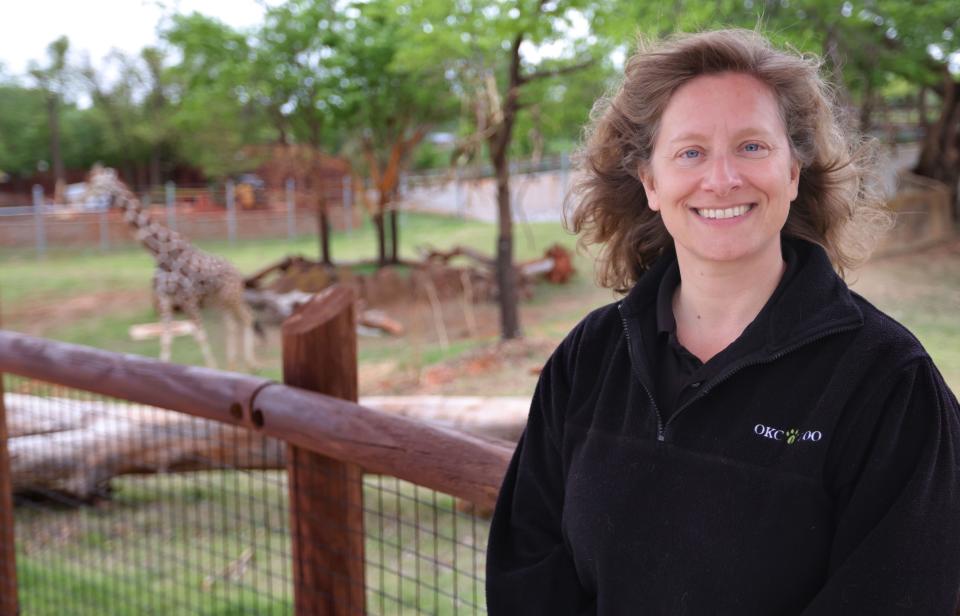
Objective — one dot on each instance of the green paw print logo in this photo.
(792, 436)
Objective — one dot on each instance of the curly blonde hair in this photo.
(839, 203)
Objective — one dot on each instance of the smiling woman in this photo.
(741, 434)
(722, 175)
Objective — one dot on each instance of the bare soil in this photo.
(37, 316)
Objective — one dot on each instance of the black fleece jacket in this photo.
(816, 474)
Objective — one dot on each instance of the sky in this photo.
(95, 27)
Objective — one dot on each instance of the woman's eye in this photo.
(754, 148)
(689, 154)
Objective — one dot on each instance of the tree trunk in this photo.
(323, 222)
(506, 279)
(53, 118)
(922, 121)
(155, 179)
(394, 237)
(940, 152)
(378, 222)
(499, 144)
(75, 447)
(866, 107)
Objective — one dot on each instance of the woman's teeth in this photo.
(730, 212)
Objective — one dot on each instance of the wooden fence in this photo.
(314, 412)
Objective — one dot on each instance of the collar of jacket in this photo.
(815, 303)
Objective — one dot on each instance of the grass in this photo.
(218, 543)
(922, 291)
(30, 286)
(64, 273)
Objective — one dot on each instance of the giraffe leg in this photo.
(245, 321)
(165, 306)
(230, 324)
(200, 334)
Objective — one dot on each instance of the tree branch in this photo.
(556, 72)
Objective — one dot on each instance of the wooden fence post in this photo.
(326, 495)
(8, 563)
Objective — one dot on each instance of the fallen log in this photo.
(74, 447)
(500, 417)
(445, 256)
(556, 265)
(274, 308)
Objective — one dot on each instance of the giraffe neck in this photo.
(163, 243)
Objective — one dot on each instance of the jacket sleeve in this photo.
(529, 567)
(896, 547)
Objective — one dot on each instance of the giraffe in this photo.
(184, 276)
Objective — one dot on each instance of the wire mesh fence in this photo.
(128, 509)
(424, 551)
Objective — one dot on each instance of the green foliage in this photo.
(472, 40)
(292, 68)
(333, 74)
(23, 129)
(866, 44)
(385, 103)
(218, 103)
(558, 108)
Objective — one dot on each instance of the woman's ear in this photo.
(794, 178)
(647, 180)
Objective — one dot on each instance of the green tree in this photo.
(873, 46)
(23, 129)
(496, 50)
(869, 46)
(53, 81)
(291, 66)
(385, 108)
(216, 100)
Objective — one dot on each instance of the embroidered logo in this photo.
(791, 436)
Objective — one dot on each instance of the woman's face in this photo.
(722, 175)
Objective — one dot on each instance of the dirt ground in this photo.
(920, 289)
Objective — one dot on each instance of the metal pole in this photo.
(171, 193)
(458, 192)
(104, 229)
(564, 174)
(291, 209)
(41, 233)
(231, 214)
(348, 201)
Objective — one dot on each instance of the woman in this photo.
(742, 434)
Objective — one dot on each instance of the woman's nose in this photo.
(722, 175)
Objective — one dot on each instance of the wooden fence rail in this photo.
(467, 466)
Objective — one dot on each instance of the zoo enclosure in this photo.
(235, 211)
(227, 211)
(330, 442)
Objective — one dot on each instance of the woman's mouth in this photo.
(723, 213)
